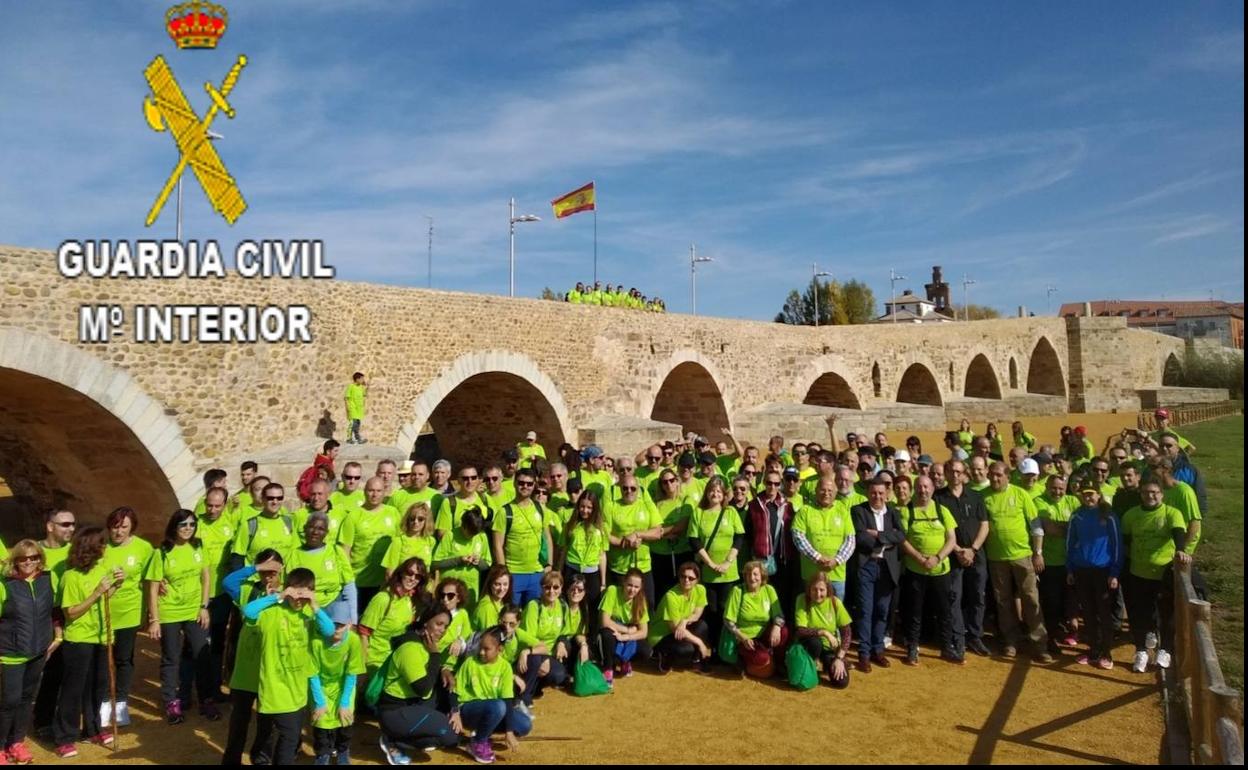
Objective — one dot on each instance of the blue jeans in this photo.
(525, 587)
(875, 594)
(486, 717)
(838, 588)
(353, 432)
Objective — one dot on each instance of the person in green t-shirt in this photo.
(389, 613)
(415, 538)
(679, 635)
(274, 528)
(33, 638)
(754, 616)
(464, 551)
(406, 710)
(286, 664)
(1054, 509)
(367, 534)
(1015, 561)
(672, 548)
(823, 628)
(1155, 536)
(243, 585)
(484, 699)
(339, 660)
(632, 523)
(354, 397)
(931, 535)
(520, 538)
(584, 552)
(716, 537)
(131, 554)
(85, 581)
(1180, 496)
(1022, 438)
(335, 582)
(218, 528)
(545, 619)
(178, 586)
(625, 623)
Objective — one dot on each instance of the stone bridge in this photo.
(96, 425)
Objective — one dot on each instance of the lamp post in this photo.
(694, 261)
(814, 268)
(893, 278)
(966, 304)
(512, 220)
(430, 250)
(212, 137)
(1048, 297)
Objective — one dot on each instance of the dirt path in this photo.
(990, 710)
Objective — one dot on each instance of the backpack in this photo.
(377, 683)
(303, 487)
(543, 556)
(803, 674)
(253, 524)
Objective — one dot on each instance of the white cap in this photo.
(406, 468)
(902, 455)
(1029, 467)
(691, 437)
(531, 436)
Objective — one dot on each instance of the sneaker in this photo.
(1140, 664)
(66, 751)
(661, 661)
(626, 668)
(1069, 641)
(173, 713)
(362, 441)
(978, 647)
(1105, 664)
(912, 656)
(1083, 660)
(609, 675)
(525, 709)
(1163, 659)
(20, 754)
(481, 752)
(704, 666)
(1044, 657)
(949, 656)
(1009, 651)
(322, 759)
(350, 442)
(344, 758)
(103, 739)
(106, 714)
(1150, 641)
(123, 714)
(888, 642)
(208, 710)
(393, 755)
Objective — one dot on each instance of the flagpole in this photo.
(595, 237)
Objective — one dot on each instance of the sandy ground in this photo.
(991, 710)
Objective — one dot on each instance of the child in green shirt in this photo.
(339, 660)
(484, 699)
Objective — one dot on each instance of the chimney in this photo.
(1022, 311)
(1087, 309)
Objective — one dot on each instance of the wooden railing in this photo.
(1186, 415)
(1215, 712)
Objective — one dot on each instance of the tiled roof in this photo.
(1150, 308)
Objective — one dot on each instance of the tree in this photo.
(858, 302)
(976, 312)
(799, 309)
(551, 294)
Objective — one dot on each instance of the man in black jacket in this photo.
(968, 574)
(877, 567)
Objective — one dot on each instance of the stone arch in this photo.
(1172, 371)
(484, 403)
(981, 380)
(1044, 370)
(689, 394)
(826, 386)
(1013, 374)
(79, 433)
(918, 386)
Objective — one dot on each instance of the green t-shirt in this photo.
(671, 513)
(522, 541)
(485, 614)
(544, 622)
(387, 616)
(335, 534)
(585, 546)
(926, 529)
(458, 630)
(751, 612)
(1150, 536)
(673, 608)
(527, 451)
(347, 500)
(1053, 549)
(625, 519)
(966, 438)
(54, 558)
(126, 606)
(619, 609)
(476, 680)
(701, 524)
(370, 533)
(825, 529)
(76, 586)
(404, 547)
(246, 674)
(277, 532)
(574, 622)
(403, 498)
(409, 664)
(334, 663)
(828, 615)
(217, 538)
(558, 511)
(446, 521)
(456, 545)
(181, 569)
(1010, 515)
(1182, 497)
(285, 659)
(355, 401)
(331, 567)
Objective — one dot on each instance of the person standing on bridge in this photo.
(357, 391)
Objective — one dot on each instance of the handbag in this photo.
(727, 648)
(803, 674)
(588, 680)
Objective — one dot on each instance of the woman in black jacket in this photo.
(27, 634)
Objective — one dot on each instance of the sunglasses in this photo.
(32, 557)
(182, 524)
(741, 489)
(65, 523)
(468, 478)
(653, 459)
(667, 481)
(771, 483)
(450, 595)
(522, 484)
(352, 478)
(688, 578)
(493, 478)
(275, 499)
(629, 489)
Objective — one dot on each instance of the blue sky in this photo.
(1097, 148)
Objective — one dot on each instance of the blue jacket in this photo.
(1093, 543)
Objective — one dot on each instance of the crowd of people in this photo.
(613, 296)
(442, 600)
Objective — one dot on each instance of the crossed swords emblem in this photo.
(167, 109)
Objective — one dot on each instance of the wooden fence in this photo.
(1186, 415)
(1214, 711)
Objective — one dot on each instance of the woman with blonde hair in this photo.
(415, 538)
(754, 616)
(27, 636)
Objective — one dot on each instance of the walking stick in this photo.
(112, 670)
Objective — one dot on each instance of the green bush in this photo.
(1213, 371)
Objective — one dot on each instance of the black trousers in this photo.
(1150, 605)
(716, 600)
(1097, 604)
(19, 684)
(663, 566)
(593, 593)
(335, 741)
(814, 648)
(241, 702)
(171, 638)
(49, 690)
(1055, 600)
(219, 611)
(534, 681)
(84, 688)
(123, 660)
(606, 649)
(683, 652)
(286, 731)
(416, 724)
(915, 592)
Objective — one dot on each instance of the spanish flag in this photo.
(574, 202)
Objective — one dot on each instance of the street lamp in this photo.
(1048, 297)
(512, 220)
(966, 304)
(694, 261)
(893, 278)
(430, 250)
(212, 137)
(814, 268)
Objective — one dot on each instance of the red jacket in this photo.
(761, 536)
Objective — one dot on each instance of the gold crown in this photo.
(196, 24)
